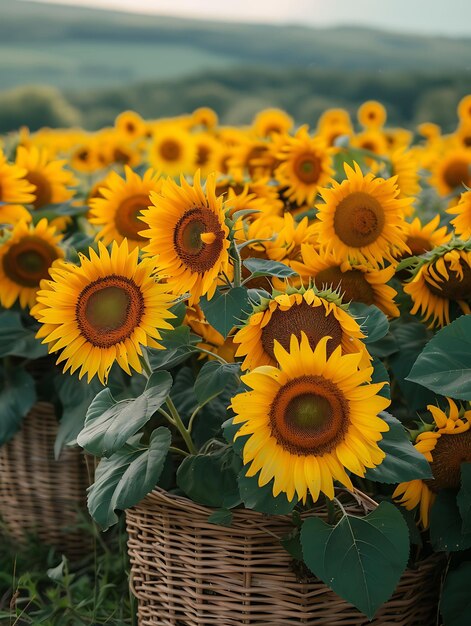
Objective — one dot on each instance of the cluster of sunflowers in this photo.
(270, 287)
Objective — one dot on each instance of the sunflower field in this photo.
(251, 347)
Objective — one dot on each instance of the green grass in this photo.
(40, 587)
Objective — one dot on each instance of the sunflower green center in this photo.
(109, 309)
(313, 321)
(127, 219)
(197, 255)
(170, 150)
(307, 167)
(456, 173)
(43, 191)
(449, 453)
(309, 415)
(454, 288)
(27, 262)
(352, 284)
(359, 219)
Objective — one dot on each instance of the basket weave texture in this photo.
(39, 495)
(186, 571)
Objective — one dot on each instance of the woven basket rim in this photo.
(239, 514)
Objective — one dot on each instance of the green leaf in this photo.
(264, 267)
(411, 338)
(226, 309)
(464, 497)
(446, 524)
(221, 517)
(292, 544)
(17, 396)
(261, 499)
(360, 558)
(122, 480)
(444, 366)
(180, 344)
(17, 339)
(373, 322)
(402, 462)
(213, 378)
(211, 479)
(109, 424)
(455, 603)
(75, 396)
(380, 375)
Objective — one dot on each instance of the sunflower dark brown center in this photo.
(456, 173)
(202, 155)
(307, 167)
(358, 219)
(369, 145)
(449, 453)
(353, 284)
(453, 288)
(43, 191)
(108, 310)
(27, 262)
(309, 415)
(120, 156)
(418, 245)
(313, 321)
(126, 218)
(192, 250)
(170, 150)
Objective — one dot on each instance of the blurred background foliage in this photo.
(67, 66)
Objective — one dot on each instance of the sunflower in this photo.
(291, 314)
(213, 341)
(204, 116)
(208, 153)
(310, 420)
(362, 218)
(372, 114)
(117, 211)
(187, 232)
(334, 117)
(441, 277)
(15, 190)
(51, 180)
(172, 150)
(452, 172)
(271, 121)
(251, 156)
(405, 167)
(464, 109)
(445, 447)
(355, 283)
(102, 311)
(423, 238)
(372, 140)
(25, 259)
(305, 165)
(462, 221)
(130, 124)
(463, 134)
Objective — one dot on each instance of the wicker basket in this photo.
(188, 572)
(39, 495)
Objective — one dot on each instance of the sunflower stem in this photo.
(168, 417)
(237, 266)
(216, 356)
(178, 451)
(181, 426)
(146, 368)
(330, 510)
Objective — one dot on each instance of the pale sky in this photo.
(452, 17)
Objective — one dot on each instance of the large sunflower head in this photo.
(462, 221)
(354, 283)
(275, 320)
(52, 182)
(305, 165)
(102, 311)
(422, 238)
(441, 279)
(122, 200)
(25, 259)
(362, 218)
(446, 447)
(188, 235)
(310, 419)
